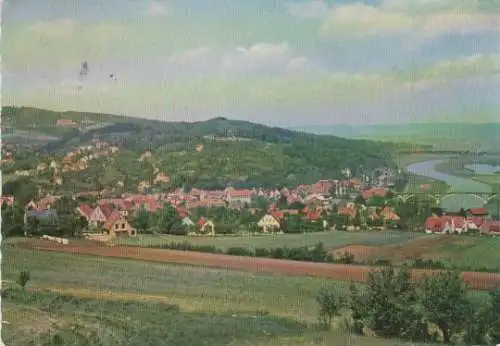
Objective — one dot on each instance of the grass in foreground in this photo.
(128, 302)
(192, 288)
(332, 239)
(44, 318)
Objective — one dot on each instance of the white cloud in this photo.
(189, 56)
(258, 56)
(308, 9)
(297, 64)
(460, 23)
(421, 18)
(363, 20)
(53, 29)
(157, 9)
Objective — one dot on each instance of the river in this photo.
(457, 184)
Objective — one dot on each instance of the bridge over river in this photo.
(464, 193)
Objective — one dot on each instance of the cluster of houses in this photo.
(475, 220)
(113, 214)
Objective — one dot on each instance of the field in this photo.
(408, 159)
(418, 183)
(352, 273)
(453, 251)
(332, 239)
(489, 179)
(130, 302)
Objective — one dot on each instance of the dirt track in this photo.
(262, 265)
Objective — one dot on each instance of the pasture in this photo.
(331, 239)
(468, 252)
(103, 301)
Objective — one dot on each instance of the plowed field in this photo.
(333, 271)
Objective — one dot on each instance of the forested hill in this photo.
(227, 149)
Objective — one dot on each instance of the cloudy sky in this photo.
(280, 62)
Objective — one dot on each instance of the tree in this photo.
(12, 220)
(169, 221)
(445, 301)
(360, 200)
(296, 205)
(141, 219)
(24, 277)
(390, 306)
(282, 202)
(330, 306)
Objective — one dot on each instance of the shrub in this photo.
(24, 277)
(239, 251)
(330, 306)
(346, 258)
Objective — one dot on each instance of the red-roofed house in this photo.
(448, 224)
(8, 200)
(478, 211)
(388, 214)
(65, 122)
(240, 196)
(85, 210)
(377, 192)
(100, 215)
(206, 226)
(347, 211)
(117, 226)
(491, 227)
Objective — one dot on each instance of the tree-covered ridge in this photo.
(208, 153)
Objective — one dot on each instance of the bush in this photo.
(427, 264)
(330, 306)
(346, 258)
(24, 277)
(239, 251)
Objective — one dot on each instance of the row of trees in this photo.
(394, 305)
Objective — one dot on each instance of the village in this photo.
(327, 205)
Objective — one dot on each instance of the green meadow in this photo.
(84, 300)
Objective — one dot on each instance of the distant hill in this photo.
(209, 152)
(443, 136)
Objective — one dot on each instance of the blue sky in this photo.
(278, 62)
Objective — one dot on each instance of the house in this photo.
(117, 226)
(269, 223)
(206, 226)
(186, 221)
(100, 215)
(376, 192)
(447, 224)
(7, 200)
(145, 155)
(65, 122)
(161, 178)
(490, 227)
(85, 210)
(388, 214)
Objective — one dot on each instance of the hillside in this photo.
(442, 136)
(208, 153)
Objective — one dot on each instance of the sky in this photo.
(277, 62)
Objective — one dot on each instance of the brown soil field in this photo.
(416, 248)
(352, 273)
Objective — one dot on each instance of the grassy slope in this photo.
(264, 153)
(330, 239)
(217, 307)
(472, 252)
(443, 136)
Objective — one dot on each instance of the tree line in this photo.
(440, 308)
